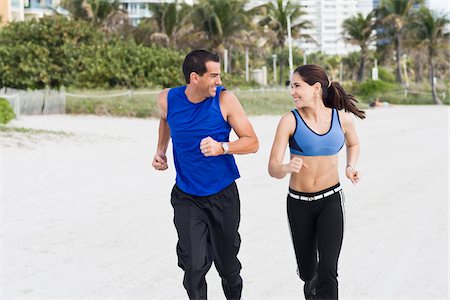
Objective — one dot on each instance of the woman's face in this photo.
(302, 93)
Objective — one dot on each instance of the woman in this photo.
(316, 130)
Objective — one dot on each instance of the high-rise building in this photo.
(327, 17)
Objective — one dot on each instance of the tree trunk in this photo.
(281, 72)
(418, 68)
(398, 58)
(361, 66)
(436, 99)
(230, 60)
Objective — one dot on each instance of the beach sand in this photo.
(84, 216)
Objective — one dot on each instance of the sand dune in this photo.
(85, 216)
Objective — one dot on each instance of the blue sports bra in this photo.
(306, 142)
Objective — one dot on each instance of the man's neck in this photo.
(193, 95)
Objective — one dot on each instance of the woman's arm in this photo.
(285, 129)
(353, 148)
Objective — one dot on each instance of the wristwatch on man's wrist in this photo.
(225, 148)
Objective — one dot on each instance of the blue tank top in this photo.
(306, 142)
(189, 123)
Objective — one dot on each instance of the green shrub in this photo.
(6, 112)
(386, 75)
(140, 106)
(234, 81)
(56, 52)
(33, 53)
(371, 89)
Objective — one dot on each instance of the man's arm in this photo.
(236, 117)
(234, 114)
(160, 159)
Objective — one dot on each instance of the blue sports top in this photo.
(306, 142)
(189, 123)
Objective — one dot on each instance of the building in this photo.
(11, 10)
(21, 10)
(138, 9)
(35, 9)
(327, 17)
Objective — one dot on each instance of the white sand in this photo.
(86, 216)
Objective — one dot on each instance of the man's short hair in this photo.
(196, 61)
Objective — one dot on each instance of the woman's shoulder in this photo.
(346, 119)
(345, 116)
(287, 122)
(288, 117)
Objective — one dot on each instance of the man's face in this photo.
(210, 80)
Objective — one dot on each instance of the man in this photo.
(199, 117)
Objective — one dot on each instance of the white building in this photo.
(138, 9)
(22, 10)
(327, 17)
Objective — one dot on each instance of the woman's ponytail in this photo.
(335, 96)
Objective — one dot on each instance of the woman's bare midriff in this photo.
(321, 173)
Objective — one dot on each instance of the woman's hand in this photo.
(294, 166)
(352, 174)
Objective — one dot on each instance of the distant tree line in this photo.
(95, 46)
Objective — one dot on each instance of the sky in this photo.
(442, 6)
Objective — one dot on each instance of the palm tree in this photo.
(222, 24)
(76, 9)
(95, 11)
(221, 20)
(358, 31)
(393, 15)
(429, 29)
(169, 19)
(351, 62)
(275, 18)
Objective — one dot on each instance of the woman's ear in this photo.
(317, 88)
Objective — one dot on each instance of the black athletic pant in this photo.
(208, 231)
(317, 229)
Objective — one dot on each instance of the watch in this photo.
(225, 148)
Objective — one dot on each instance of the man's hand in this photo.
(160, 162)
(210, 147)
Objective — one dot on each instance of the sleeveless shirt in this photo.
(189, 123)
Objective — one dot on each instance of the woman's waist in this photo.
(308, 182)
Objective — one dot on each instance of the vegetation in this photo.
(6, 112)
(358, 30)
(9, 129)
(428, 32)
(254, 101)
(55, 52)
(275, 18)
(96, 48)
(393, 16)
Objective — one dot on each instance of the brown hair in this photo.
(333, 94)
